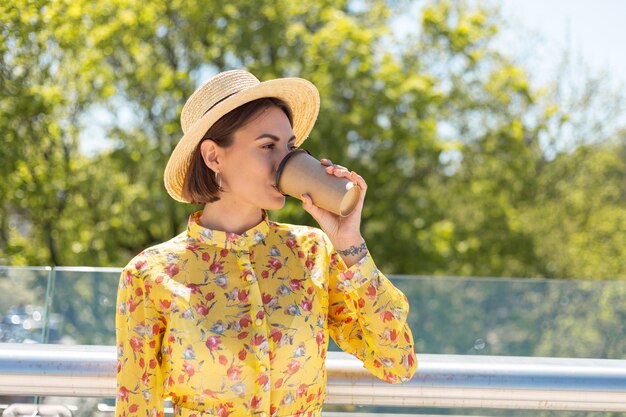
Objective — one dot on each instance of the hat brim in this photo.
(299, 94)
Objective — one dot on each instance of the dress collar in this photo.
(228, 240)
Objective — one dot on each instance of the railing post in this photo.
(448, 381)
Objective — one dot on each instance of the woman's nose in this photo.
(283, 153)
(280, 156)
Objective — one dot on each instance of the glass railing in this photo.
(517, 317)
(24, 301)
(470, 316)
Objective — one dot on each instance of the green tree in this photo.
(510, 146)
(40, 105)
(449, 133)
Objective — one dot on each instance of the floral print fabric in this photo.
(238, 325)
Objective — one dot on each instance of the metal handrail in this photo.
(449, 381)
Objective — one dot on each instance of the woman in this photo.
(233, 316)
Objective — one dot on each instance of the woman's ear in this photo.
(210, 152)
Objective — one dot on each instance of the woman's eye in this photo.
(273, 145)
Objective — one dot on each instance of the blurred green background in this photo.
(473, 168)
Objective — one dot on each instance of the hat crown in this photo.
(212, 92)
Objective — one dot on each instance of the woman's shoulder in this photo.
(158, 254)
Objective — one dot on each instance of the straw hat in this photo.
(225, 92)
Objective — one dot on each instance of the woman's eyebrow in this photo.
(274, 137)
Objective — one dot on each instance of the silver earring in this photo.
(218, 180)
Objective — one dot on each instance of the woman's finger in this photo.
(340, 167)
(316, 212)
(343, 172)
(358, 180)
(336, 167)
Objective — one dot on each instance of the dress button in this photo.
(258, 322)
(249, 278)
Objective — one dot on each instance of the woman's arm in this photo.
(367, 314)
(367, 318)
(139, 330)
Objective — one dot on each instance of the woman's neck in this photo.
(230, 217)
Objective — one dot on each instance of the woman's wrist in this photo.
(351, 250)
(345, 242)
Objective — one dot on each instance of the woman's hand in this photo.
(343, 232)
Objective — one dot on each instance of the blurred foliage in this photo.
(464, 157)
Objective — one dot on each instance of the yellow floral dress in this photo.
(238, 325)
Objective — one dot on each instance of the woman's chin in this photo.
(276, 203)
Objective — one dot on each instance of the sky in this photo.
(539, 31)
(593, 30)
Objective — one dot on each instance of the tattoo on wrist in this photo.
(353, 250)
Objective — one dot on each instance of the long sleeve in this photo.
(367, 318)
(139, 329)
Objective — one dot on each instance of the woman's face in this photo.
(249, 165)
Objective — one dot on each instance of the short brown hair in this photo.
(200, 184)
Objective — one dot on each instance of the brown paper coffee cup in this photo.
(300, 173)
